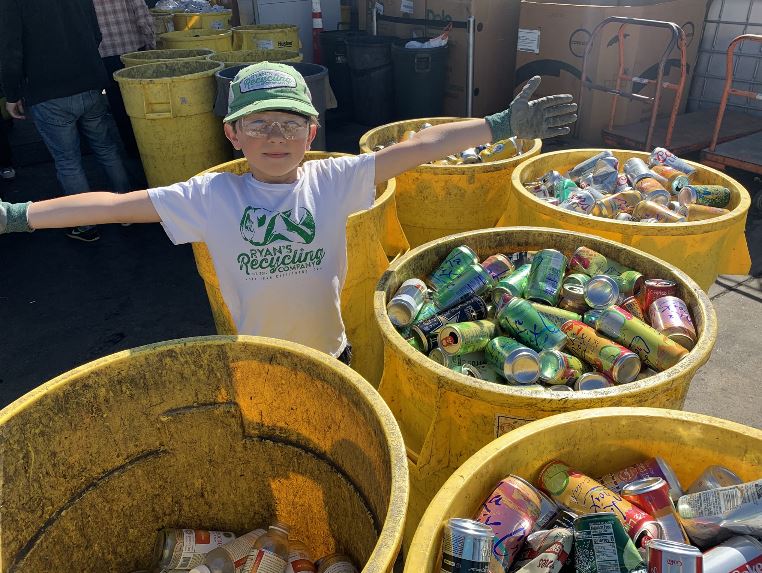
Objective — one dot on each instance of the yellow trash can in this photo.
(202, 20)
(266, 37)
(438, 200)
(224, 433)
(249, 57)
(372, 237)
(703, 249)
(171, 107)
(163, 21)
(445, 417)
(217, 40)
(595, 442)
(156, 56)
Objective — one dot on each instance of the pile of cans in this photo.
(631, 521)
(662, 191)
(579, 323)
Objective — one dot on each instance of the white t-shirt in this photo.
(280, 250)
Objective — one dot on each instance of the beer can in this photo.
(581, 201)
(651, 210)
(560, 368)
(576, 279)
(622, 183)
(739, 554)
(653, 467)
(473, 281)
(564, 188)
(498, 266)
(700, 212)
(554, 314)
(512, 360)
(665, 157)
(653, 289)
(514, 284)
(614, 360)
(426, 332)
(546, 276)
(675, 179)
(709, 195)
(523, 322)
(466, 337)
(652, 190)
(485, 372)
(592, 381)
(457, 261)
(651, 494)
(666, 556)
(631, 305)
(636, 170)
(407, 302)
(670, 316)
(601, 292)
(616, 204)
(714, 477)
(624, 217)
(466, 546)
(601, 545)
(588, 165)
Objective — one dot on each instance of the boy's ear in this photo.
(232, 135)
(312, 135)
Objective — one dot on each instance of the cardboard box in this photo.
(553, 37)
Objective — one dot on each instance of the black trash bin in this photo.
(333, 46)
(419, 80)
(370, 65)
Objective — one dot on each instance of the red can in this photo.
(672, 557)
(653, 289)
(651, 494)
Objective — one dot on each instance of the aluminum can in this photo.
(629, 282)
(426, 332)
(631, 305)
(653, 467)
(546, 276)
(670, 316)
(601, 292)
(449, 360)
(714, 477)
(457, 261)
(590, 262)
(652, 190)
(550, 178)
(545, 551)
(563, 189)
(523, 322)
(466, 337)
(666, 157)
(674, 179)
(612, 205)
(701, 212)
(654, 289)
(665, 556)
(498, 266)
(588, 164)
(466, 546)
(565, 517)
(561, 388)
(576, 307)
(709, 195)
(514, 284)
(555, 315)
(548, 507)
(574, 293)
(651, 210)
(637, 170)
(413, 341)
(473, 281)
(740, 554)
(622, 183)
(428, 310)
(601, 545)
(624, 217)
(503, 149)
(651, 494)
(512, 360)
(614, 360)
(591, 316)
(576, 279)
(592, 381)
(653, 348)
(560, 368)
(676, 207)
(485, 372)
(470, 156)
(511, 510)
(581, 201)
(406, 303)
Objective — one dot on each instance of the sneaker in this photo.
(86, 234)
(7, 173)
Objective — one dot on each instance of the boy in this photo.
(277, 234)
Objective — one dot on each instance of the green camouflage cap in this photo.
(268, 87)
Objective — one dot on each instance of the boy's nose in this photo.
(280, 134)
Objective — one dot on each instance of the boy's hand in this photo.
(13, 218)
(541, 118)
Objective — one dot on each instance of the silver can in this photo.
(714, 477)
(407, 302)
(666, 556)
(601, 292)
(624, 217)
(470, 156)
(481, 371)
(588, 164)
(636, 169)
(740, 554)
(466, 546)
(592, 381)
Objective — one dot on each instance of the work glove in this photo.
(541, 118)
(13, 218)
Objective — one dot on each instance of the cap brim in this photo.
(276, 104)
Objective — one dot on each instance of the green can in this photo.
(554, 314)
(520, 319)
(413, 341)
(512, 360)
(563, 188)
(709, 195)
(475, 280)
(576, 279)
(466, 337)
(546, 276)
(629, 282)
(560, 368)
(601, 545)
(455, 263)
(428, 310)
(514, 284)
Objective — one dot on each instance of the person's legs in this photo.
(116, 104)
(6, 155)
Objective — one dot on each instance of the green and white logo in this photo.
(262, 227)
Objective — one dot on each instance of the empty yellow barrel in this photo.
(239, 57)
(266, 37)
(373, 236)
(156, 56)
(171, 107)
(703, 249)
(434, 201)
(595, 442)
(445, 417)
(202, 20)
(217, 40)
(223, 433)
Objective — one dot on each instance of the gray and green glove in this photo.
(13, 218)
(541, 118)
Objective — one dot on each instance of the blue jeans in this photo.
(60, 122)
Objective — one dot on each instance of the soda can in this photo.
(449, 360)
(573, 299)
(675, 179)
(546, 276)
(700, 212)
(622, 183)
(470, 156)
(520, 319)
(601, 292)
(601, 545)
(563, 189)
(406, 303)
(739, 554)
(473, 281)
(466, 337)
(631, 305)
(651, 494)
(590, 262)
(653, 348)
(653, 467)
(560, 368)
(714, 477)
(498, 266)
(466, 546)
(413, 341)
(665, 556)
(651, 210)
(545, 551)
(591, 316)
(514, 284)
(553, 201)
(457, 261)
(426, 332)
(581, 201)
(565, 518)
(654, 289)
(588, 165)
(709, 195)
(577, 279)
(614, 360)
(652, 190)
(554, 314)
(670, 316)
(637, 170)
(485, 372)
(512, 360)
(624, 217)
(550, 178)
(665, 157)
(592, 381)
(428, 310)
(629, 282)
(676, 207)
(613, 205)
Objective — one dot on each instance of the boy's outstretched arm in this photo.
(526, 119)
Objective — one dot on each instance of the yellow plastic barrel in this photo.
(434, 201)
(171, 107)
(156, 56)
(222, 433)
(163, 21)
(703, 249)
(202, 20)
(373, 236)
(247, 57)
(596, 442)
(217, 40)
(445, 417)
(266, 37)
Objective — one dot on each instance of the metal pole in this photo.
(470, 71)
(374, 22)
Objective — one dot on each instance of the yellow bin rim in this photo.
(235, 57)
(179, 70)
(195, 33)
(486, 391)
(486, 167)
(168, 55)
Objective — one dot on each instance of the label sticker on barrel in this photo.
(265, 44)
(407, 7)
(505, 423)
(529, 41)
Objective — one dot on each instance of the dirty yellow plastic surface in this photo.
(266, 37)
(171, 107)
(445, 417)
(226, 433)
(703, 249)
(163, 21)
(595, 442)
(202, 20)
(156, 56)
(255, 56)
(217, 40)
(373, 236)
(434, 201)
